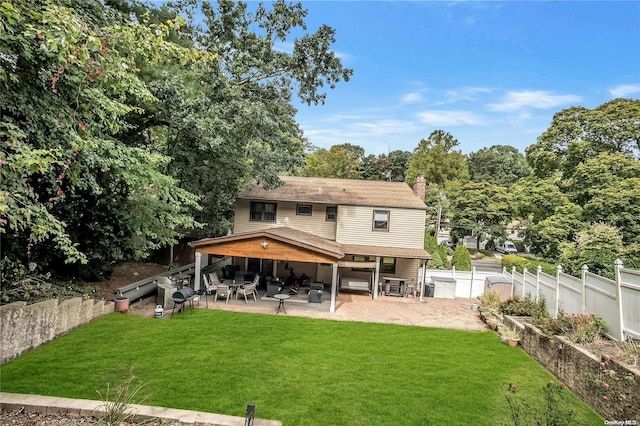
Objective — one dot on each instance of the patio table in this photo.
(281, 298)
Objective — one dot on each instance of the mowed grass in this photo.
(297, 370)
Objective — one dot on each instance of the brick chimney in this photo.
(420, 186)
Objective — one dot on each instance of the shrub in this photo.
(524, 307)
(436, 261)
(510, 260)
(490, 299)
(554, 412)
(579, 328)
(461, 259)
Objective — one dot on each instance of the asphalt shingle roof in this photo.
(339, 191)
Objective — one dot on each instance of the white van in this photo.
(507, 247)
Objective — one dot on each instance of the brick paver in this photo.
(431, 312)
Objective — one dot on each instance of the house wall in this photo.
(286, 215)
(406, 227)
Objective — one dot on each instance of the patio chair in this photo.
(213, 278)
(208, 288)
(255, 282)
(245, 290)
(222, 290)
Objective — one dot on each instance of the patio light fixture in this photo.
(250, 414)
(264, 244)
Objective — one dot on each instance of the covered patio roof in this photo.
(278, 243)
(285, 243)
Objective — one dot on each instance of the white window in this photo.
(380, 220)
(303, 209)
(332, 212)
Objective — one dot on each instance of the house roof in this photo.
(315, 243)
(339, 191)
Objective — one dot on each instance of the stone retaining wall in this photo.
(24, 327)
(598, 382)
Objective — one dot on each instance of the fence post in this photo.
(557, 307)
(618, 265)
(524, 282)
(585, 269)
(538, 271)
(473, 273)
(513, 274)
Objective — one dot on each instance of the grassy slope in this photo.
(298, 370)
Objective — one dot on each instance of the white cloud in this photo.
(539, 99)
(462, 94)
(624, 90)
(412, 98)
(450, 118)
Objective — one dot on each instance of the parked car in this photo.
(506, 247)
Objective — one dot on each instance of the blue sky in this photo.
(488, 72)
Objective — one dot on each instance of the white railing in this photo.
(617, 301)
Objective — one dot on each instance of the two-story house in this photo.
(334, 231)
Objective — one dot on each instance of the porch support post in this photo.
(334, 287)
(376, 278)
(196, 278)
(423, 268)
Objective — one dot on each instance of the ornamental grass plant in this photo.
(297, 370)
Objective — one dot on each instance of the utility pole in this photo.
(439, 215)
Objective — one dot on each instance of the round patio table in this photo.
(281, 298)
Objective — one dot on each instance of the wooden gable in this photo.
(264, 247)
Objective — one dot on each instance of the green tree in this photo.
(577, 134)
(398, 164)
(339, 161)
(430, 242)
(461, 258)
(232, 121)
(436, 158)
(371, 169)
(500, 165)
(547, 236)
(480, 209)
(69, 81)
(597, 246)
(436, 261)
(608, 188)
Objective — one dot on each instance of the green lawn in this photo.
(297, 370)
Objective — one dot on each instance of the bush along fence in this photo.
(615, 301)
(24, 327)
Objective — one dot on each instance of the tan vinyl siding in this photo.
(286, 216)
(405, 268)
(406, 227)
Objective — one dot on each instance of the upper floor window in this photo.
(265, 212)
(303, 209)
(332, 213)
(380, 220)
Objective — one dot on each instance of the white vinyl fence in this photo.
(617, 301)
(469, 284)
